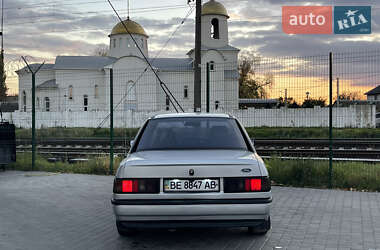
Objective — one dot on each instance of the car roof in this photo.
(181, 115)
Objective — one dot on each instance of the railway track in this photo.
(362, 143)
(342, 148)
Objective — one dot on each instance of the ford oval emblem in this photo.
(246, 170)
(191, 172)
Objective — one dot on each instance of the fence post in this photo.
(111, 121)
(330, 118)
(208, 88)
(33, 120)
(33, 109)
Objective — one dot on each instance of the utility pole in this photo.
(2, 26)
(3, 86)
(198, 60)
(286, 98)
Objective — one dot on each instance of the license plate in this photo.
(191, 185)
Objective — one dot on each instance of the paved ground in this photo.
(62, 211)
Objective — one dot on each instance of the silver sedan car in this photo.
(192, 170)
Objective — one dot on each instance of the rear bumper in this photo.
(222, 212)
(189, 201)
(192, 223)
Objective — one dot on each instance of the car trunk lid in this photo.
(181, 164)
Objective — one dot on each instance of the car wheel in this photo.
(124, 231)
(261, 229)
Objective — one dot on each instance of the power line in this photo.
(135, 10)
(81, 18)
(55, 5)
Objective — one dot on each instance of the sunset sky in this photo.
(43, 29)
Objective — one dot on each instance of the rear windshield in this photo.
(191, 133)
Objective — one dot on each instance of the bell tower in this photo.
(214, 25)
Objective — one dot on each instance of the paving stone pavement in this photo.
(67, 211)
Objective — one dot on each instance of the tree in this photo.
(350, 96)
(3, 86)
(250, 85)
(310, 102)
(291, 103)
(101, 50)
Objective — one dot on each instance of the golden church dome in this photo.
(133, 28)
(213, 7)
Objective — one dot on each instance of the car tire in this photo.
(124, 231)
(261, 229)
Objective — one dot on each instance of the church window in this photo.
(216, 105)
(142, 43)
(114, 43)
(167, 103)
(130, 96)
(186, 91)
(215, 28)
(120, 42)
(24, 101)
(85, 102)
(38, 103)
(128, 43)
(47, 104)
(71, 92)
(131, 91)
(96, 91)
(212, 66)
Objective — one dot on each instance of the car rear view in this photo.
(192, 170)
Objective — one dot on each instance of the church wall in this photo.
(231, 57)
(217, 81)
(83, 83)
(176, 82)
(127, 70)
(25, 84)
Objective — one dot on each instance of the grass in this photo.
(312, 133)
(309, 173)
(258, 133)
(297, 173)
(75, 133)
(96, 166)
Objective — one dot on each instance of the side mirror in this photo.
(131, 142)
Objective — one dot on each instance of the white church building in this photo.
(82, 83)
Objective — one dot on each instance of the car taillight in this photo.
(141, 186)
(248, 184)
